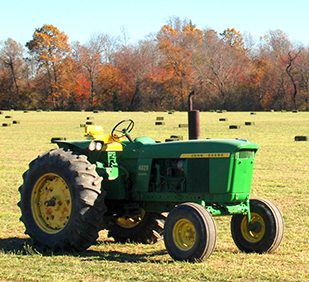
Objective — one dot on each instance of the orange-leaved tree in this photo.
(49, 47)
(177, 41)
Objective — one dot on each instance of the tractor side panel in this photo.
(220, 174)
(198, 175)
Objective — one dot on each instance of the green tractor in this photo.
(142, 191)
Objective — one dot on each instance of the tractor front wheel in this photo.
(265, 231)
(61, 201)
(189, 233)
(144, 227)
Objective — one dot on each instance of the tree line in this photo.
(225, 70)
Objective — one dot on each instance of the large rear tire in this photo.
(265, 231)
(62, 205)
(189, 233)
(144, 227)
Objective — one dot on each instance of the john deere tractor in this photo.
(141, 190)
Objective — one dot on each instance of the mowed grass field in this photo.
(281, 175)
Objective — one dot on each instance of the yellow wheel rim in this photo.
(254, 231)
(130, 222)
(51, 203)
(184, 234)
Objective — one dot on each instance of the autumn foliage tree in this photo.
(13, 72)
(49, 47)
(225, 69)
(177, 42)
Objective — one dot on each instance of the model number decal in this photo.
(143, 167)
(204, 155)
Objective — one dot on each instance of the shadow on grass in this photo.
(22, 246)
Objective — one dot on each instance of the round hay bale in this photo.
(159, 123)
(233, 126)
(222, 119)
(300, 138)
(88, 118)
(5, 124)
(89, 123)
(15, 122)
(1, 112)
(95, 112)
(295, 111)
(160, 118)
(8, 117)
(252, 113)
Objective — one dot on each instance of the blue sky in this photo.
(82, 19)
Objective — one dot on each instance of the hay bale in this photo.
(233, 126)
(159, 118)
(170, 112)
(54, 139)
(295, 111)
(174, 138)
(15, 122)
(95, 112)
(8, 117)
(82, 125)
(182, 125)
(1, 112)
(159, 123)
(179, 137)
(252, 113)
(222, 119)
(300, 138)
(89, 123)
(88, 118)
(5, 124)
(248, 123)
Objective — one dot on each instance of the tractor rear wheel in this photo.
(61, 201)
(144, 227)
(189, 233)
(265, 231)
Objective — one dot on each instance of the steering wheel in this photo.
(118, 133)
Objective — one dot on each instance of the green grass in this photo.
(281, 175)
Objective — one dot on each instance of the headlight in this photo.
(92, 146)
(98, 146)
(95, 146)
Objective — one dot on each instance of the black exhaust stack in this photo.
(193, 119)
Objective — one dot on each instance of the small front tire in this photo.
(265, 231)
(189, 233)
